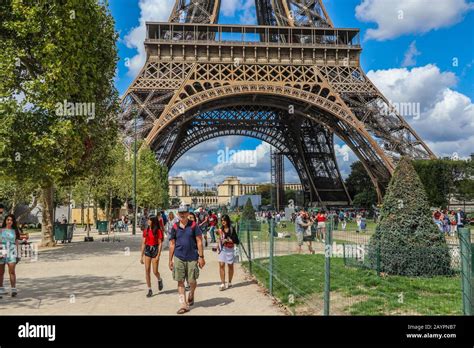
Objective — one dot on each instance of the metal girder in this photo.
(195, 11)
(314, 160)
(194, 76)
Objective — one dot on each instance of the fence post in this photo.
(377, 259)
(344, 253)
(327, 268)
(249, 249)
(272, 229)
(466, 271)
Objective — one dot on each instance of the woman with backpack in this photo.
(227, 239)
(151, 250)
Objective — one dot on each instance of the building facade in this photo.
(230, 187)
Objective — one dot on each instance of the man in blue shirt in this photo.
(186, 256)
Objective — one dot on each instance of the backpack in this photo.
(193, 227)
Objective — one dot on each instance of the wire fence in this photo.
(340, 272)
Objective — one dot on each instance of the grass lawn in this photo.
(356, 291)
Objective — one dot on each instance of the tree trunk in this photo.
(110, 211)
(88, 226)
(12, 210)
(82, 214)
(95, 210)
(47, 223)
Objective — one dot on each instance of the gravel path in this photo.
(103, 278)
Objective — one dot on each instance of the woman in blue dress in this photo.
(10, 237)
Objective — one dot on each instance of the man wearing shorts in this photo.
(186, 256)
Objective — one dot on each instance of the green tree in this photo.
(152, 181)
(360, 187)
(266, 192)
(406, 238)
(112, 188)
(437, 180)
(249, 212)
(14, 193)
(446, 178)
(464, 183)
(51, 55)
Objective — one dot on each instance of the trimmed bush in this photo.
(406, 240)
(248, 212)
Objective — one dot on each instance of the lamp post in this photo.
(134, 227)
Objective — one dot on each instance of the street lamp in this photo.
(134, 225)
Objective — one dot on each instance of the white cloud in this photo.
(150, 10)
(230, 7)
(410, 55)
(198, 166)
(421, 85)
(400, 17)
(446, 122)
(344, 157)
(246, 8)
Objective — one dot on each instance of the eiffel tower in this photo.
(293, 81)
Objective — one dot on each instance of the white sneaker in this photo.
(2, 291)
(229, 285)
(222, 287)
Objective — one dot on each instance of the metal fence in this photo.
(338, 272)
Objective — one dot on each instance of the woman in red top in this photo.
(151, 250)
(321, 230)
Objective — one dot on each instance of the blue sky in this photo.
(417, 51)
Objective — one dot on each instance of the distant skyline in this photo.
(417, 52)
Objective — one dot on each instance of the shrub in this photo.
(406, 238)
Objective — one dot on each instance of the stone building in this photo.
(230, 187)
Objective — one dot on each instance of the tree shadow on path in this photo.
(61, 289)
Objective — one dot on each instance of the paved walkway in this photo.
(102, 278)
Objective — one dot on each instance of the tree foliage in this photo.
(445, 178)
(360, 187)
(152, 181)
(406, 238)
(50, 54)
(249, 212)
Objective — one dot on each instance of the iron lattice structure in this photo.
(293, 81)
(278, 180)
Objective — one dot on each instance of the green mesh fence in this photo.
(359, 282)
(294, 276)
(376, 280)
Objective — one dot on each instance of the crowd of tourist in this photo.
(186, 237)
(448, 221)
(187, 234)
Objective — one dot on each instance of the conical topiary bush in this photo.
(406, 240)
(248, 213)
